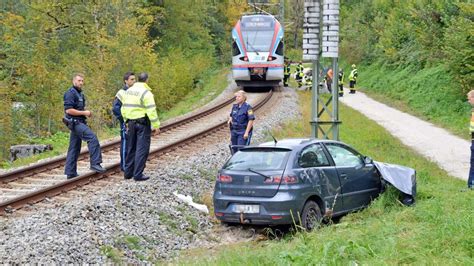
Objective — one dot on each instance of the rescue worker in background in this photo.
(352, 79)
(300, 78)
(299, 74)
(76, 116)
(241, 121)
(470, 180)
(329, 76)
(287, 72)
(140, 116)
(128, 80)
(341, 82)
(308, 80)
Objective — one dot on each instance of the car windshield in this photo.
(257, 159)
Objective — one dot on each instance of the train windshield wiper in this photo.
(251, 46)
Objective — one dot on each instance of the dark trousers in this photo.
(138, 140)
(470, 180)
(352, 84)
(329, 84)
(123, 145)
(81, 132)
(285, 79)
(237, 138)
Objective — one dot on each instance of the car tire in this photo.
(311, 216)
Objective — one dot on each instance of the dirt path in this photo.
(438, 145)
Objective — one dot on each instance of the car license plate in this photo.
(246, 208)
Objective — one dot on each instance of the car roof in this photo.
(292, 143)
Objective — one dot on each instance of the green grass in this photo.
(430, 93)
(437, 230)
(213, 86)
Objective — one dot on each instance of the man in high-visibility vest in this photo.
(470, 180)
(139, 113)
(352, 79)
(128, 80)
(341, 82)
(299, 78)
(299, 73)
(287, 72)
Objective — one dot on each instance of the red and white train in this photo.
(257, 51)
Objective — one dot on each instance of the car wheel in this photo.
(311, 216)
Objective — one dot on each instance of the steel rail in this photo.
(67, 185)
(60, 161)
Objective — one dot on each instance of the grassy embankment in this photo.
(213, 87)
(437, 230)
(429, 93)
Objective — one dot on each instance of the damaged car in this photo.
(300, 181)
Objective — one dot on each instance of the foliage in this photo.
(45, 42)
(418, 34)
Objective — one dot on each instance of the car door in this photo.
(315, 168)
(359, 181)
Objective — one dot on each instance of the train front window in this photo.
(258, 40)
(235, 49)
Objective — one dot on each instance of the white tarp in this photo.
(401, 177)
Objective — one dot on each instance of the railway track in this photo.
(33, 184)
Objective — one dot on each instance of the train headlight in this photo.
(244, 58)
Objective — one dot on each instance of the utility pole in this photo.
(282, 12)
(322, 109)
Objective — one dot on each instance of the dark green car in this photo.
(294, 181)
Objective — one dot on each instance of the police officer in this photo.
(128, 80)
(139, 112)
(353, 79)
(76, 115)
(241, 121)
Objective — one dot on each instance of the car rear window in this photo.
(258, 159)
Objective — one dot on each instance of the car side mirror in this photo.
(368, 160)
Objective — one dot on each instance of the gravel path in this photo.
(438, 145)
(131, 222)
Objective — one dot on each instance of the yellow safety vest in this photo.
(353, 75)
(138, 102)
(471, 125)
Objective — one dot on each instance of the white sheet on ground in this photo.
(189, 200)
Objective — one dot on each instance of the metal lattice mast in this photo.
(324, 110)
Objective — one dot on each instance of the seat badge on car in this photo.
(247, 179)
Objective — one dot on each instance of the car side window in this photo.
(312, 156)
(343, 156)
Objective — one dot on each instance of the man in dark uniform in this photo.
(241, 121)
(75, 115)
(128, 80)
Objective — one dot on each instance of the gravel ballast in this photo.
(132, 222)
